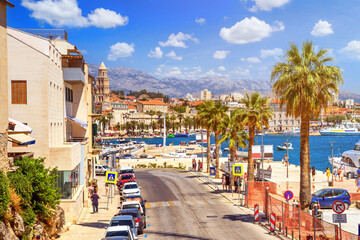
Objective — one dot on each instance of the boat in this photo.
(346, 128)
(285, 146)
(350, 159)
(226, 149)
(170, 136)
(181, 135)
(179, 153)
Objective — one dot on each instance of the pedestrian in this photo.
(357, 182)
(235, 183)
(340, 174)
(239, 182)
(227, 182)
(313, 173)
(106, 188)
(199, 166)
(286, 160)
(195, 164)
(95, 202)
(269, 168)
(223, 181)
(328, 174)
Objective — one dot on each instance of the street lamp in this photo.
(332, 162)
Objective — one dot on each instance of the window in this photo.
(68, 95)
(68, 182)
(18, 92)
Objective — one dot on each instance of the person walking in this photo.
(335, 173)
(328, 174)
(223, 181)
(199, 166)
(193, 164)
(95, 202)
(227, 182)
(313, 173)
(106, 188)
(357, 183)
(235, 183)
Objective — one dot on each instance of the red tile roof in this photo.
(153, 102)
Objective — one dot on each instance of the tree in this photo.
(151, 113)
(180, 110)
(103, 121)
(305, 84)
(187, 123)
(133, 125)
(203, 116)
(118, 126)
(255, 115)
(216, 116)
(173, 118)
(109, 116)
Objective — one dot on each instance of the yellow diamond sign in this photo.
(111, 177)
(238, 169)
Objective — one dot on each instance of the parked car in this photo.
(120, 231)
(124, 170)
(326, 197)
(132, 205)
(127, 156)
(101, 169)
(124, 178)
(130, 188)
(143, 155)
(139, 219)
(137, 198)
(125, 220)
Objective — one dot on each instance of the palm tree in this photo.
(187, 122)
(103, 121)
(180, 113)
(173, 118)
(154, 126)
(109, 116)
(127, 126)
(133, 125)
(203, 115)
(217, 114)
(304, 84)
(255, 115)
(118, 126)
(151, 113)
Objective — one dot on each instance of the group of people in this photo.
(285, 160)
(197, 166)
(226, 183)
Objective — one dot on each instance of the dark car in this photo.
(127, 156)
(143, 155)
(136, 198)
(326, 197)
(139, 219)
(124, 178)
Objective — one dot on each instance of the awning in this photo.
(21, 139)
(19, 127)
(81, 123)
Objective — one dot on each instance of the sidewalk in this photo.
(92, 226)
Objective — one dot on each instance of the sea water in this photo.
(320, 146)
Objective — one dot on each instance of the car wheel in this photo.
(346, 206)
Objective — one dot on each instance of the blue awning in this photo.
(81, 123)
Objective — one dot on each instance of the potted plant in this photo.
(12, 126)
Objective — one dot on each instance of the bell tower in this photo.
(102, 85)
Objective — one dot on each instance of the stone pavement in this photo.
(92, 226)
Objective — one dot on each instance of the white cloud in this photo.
(120, 50)
(157, 53)
(276, 52)
(249, 30)
(220, 54)
(173, 56)
(352, 49)
(267, 5)
(200, 21)
(251, 60)
(221, 68)
(164, 71)
(83, 51)
(322, 28)
(66, 13)
(178, 40)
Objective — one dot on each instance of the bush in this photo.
(22, 186)
(28, 215)
(4, 194)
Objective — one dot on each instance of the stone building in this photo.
(280, 121)
(205, 95)
(102, 85)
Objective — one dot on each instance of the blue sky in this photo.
(189, 39)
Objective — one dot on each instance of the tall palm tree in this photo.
(217, 114)
(109, 116)
(187, 123)
(255, 115)
(103, 121)
(118, 126)
(173, 118)
(304, 84)
(151, 113)
(203, 115)
(133, 125)
(180, 110)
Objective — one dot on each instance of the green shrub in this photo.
(22, 186)
(4, 194)
(28, 215)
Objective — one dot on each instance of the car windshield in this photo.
(127, 171)
(318, 192)
(125, 177)
(131, 186)
(117, 234)
(122, 223)
(130, 206)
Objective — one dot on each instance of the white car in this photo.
(120, 231)
(130, 188)
(132, 205)
(124, 170)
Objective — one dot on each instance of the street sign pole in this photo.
(202, 148)
(332, 163)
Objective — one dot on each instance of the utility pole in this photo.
(262, 152)
(332, 162)
(288, 159)
(164, 142)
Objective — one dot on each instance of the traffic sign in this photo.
(338, 207)
(288, 195)
(111, 177)
(339, 218)
(238, 169)
(212, 171)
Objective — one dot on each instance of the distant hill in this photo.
(125, 78)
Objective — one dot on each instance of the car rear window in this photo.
(127, 170)
(122, 223)
(117, 234)
(131, 186)
(134, 214)
(125, 177)
(130, 206)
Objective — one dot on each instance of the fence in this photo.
(291, 220)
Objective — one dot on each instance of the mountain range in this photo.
(126, 78)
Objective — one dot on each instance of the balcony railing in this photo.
(75, 139)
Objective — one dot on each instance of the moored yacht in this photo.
(346, 128)
(350, 159)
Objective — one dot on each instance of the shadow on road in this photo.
(95, 225)
(240, 217)
(176, 235)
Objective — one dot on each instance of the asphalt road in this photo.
(181, 207)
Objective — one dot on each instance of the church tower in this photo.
(102, 85)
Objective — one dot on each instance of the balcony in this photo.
(66, 156)
(76, 139)
(74, 75)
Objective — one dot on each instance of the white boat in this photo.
(285, 146)
(346, 128)
(179, 153)
(226, 149)
(350, 159)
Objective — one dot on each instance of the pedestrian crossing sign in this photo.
(238, 170)
(111, 177)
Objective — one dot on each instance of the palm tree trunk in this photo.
(217, 155)
(305, 184)
(250, 167)
(207, 149)
(152, 124)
